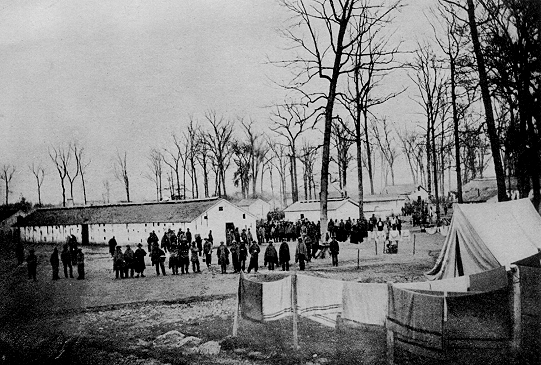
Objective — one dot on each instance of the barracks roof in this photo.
(183, 211)
(313, 205)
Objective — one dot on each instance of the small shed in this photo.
(257, 207)
(131, 223)
(336, 209)
(383, 205)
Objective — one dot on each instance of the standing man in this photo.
(223, 257)
(128, 262)
(271, 256)
(235, 256)
(80, 264)
(112, 246)
(284, 256)
(207, 248)
(211, 239)
(139, 260)
(118, 263)
(243, 255)
(300, 254)
(184, 256)
(158, 259)
(55, 263)
(254, 257)
(66, 261)
(189, 236)
(195, 258)
(249, 236)
(334, 249)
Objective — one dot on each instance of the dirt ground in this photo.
(103, 320)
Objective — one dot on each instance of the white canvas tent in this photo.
(486, 236)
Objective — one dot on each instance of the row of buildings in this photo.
(132, 222)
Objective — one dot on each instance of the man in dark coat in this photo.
(207, 249)
(223, 257)
(189, 236)
(300, 254)
(112, 246)
(199, 243)
(243, 255)
(158, 258)
(55, 263)
(254, 257)
(32, 264)
(139, 260)
(165, 242)
(118, 263)
(65, 257)
(184, 256)
(271, 256)
(129, 260)
(235, 256)
(284, 256)
(335, 250)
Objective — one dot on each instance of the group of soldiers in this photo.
(71, 256)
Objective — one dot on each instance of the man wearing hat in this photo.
(207, 249)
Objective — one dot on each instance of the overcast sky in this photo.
(125, 74)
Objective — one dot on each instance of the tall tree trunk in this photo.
(84, 192)
(358, 143)
(435, 162)
(456, 131)
(295, 188)
(487, 102)
(428, 156)
(368, 152)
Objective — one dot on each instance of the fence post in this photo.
(294, 305)
(237, 308)
(358, 257)
(414, 243)
(390, 333)
(516, 337)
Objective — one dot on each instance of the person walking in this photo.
(334, 249)
(254, 257)
(158, 258)
(139, 260)
(284, 256)
(300, 254)
(223, 257)
(65, 257)
(194, 250)
(207, 249)
(80, 264)
(199, 243)
(271, 256)
(118, 263)
(128, 262)
(112, 246)
(174, 260)
(55, 263)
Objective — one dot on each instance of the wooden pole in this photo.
(237, 308)
(516, 337)
(390, 333)
(376, 244)
(414, 243)
(358, 258)
(294, 305)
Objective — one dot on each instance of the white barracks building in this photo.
(131, 223)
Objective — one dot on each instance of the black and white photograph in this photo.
(270, 182)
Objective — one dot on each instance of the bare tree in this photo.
(327, 56)
(172, 158)
(155, 159)
(412, 147)
(193, 148)
(254, 140)
(202, 157)
(308, 157)
(72, 172)
(242, 157)
(82, 165)
(6, 174)
(280, 162)
(39, 173)
(431, 84)
(290, 122)
(121, 171)
(386, 143)
(218, 140)
(342, 143)
(107, 194)
(61, 157)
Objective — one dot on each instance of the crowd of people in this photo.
(184, 248)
